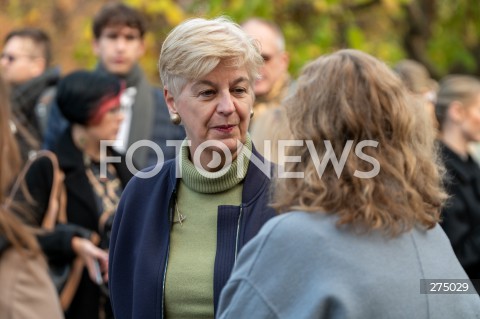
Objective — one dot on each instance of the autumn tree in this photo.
(441, 34)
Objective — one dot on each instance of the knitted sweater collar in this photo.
(215, 182)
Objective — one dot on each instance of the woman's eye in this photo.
(207, 93)
(239, 90)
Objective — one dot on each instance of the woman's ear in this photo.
(170, 100)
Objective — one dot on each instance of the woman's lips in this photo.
(224, 128)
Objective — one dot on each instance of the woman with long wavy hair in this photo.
(26, 290)
(358, 238)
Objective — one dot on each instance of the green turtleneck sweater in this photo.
(193, 243)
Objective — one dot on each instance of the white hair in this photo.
(195, 48)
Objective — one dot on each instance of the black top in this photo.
(461, 214)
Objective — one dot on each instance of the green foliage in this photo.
(356, 37)
(454, 45)
(443, 34)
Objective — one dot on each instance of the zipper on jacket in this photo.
(238, 232)
(170, 218)
(164, 279)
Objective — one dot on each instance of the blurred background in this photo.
(441, 34)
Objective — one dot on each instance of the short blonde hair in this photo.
(350, 95)
(195, 48)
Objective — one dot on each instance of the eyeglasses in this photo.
(11, 58)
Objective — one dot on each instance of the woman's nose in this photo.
(226, 104)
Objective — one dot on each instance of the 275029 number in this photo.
(448, 286)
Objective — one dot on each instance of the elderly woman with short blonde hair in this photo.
(176, 235)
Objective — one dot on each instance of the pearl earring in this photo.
(175, 118)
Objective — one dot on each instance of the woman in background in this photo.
(26, 290)
(354, 242)
(90, 101)
(458, 112)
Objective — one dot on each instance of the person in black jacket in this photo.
(458, 112)
(90, 101)
(26, 63)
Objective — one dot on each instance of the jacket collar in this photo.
(26, 94)
(69, 156)
(254, 180)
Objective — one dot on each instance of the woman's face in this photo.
(108, 127)
(470, 125)
(216, 107)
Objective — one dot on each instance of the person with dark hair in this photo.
(118, 14)
(458, 112)
(26, 290)
(26, 66)
(119, 43)
(362, 241)
(90, 101)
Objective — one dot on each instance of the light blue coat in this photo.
(302, 266)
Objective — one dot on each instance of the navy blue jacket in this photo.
(139, 244)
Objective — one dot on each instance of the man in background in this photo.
(268, 123)
(25, 62)
(119, 44)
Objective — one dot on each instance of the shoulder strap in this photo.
(25, 134)
(56, 210)
(4, 244)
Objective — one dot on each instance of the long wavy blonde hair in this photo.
(350, 95)
(18, 235)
